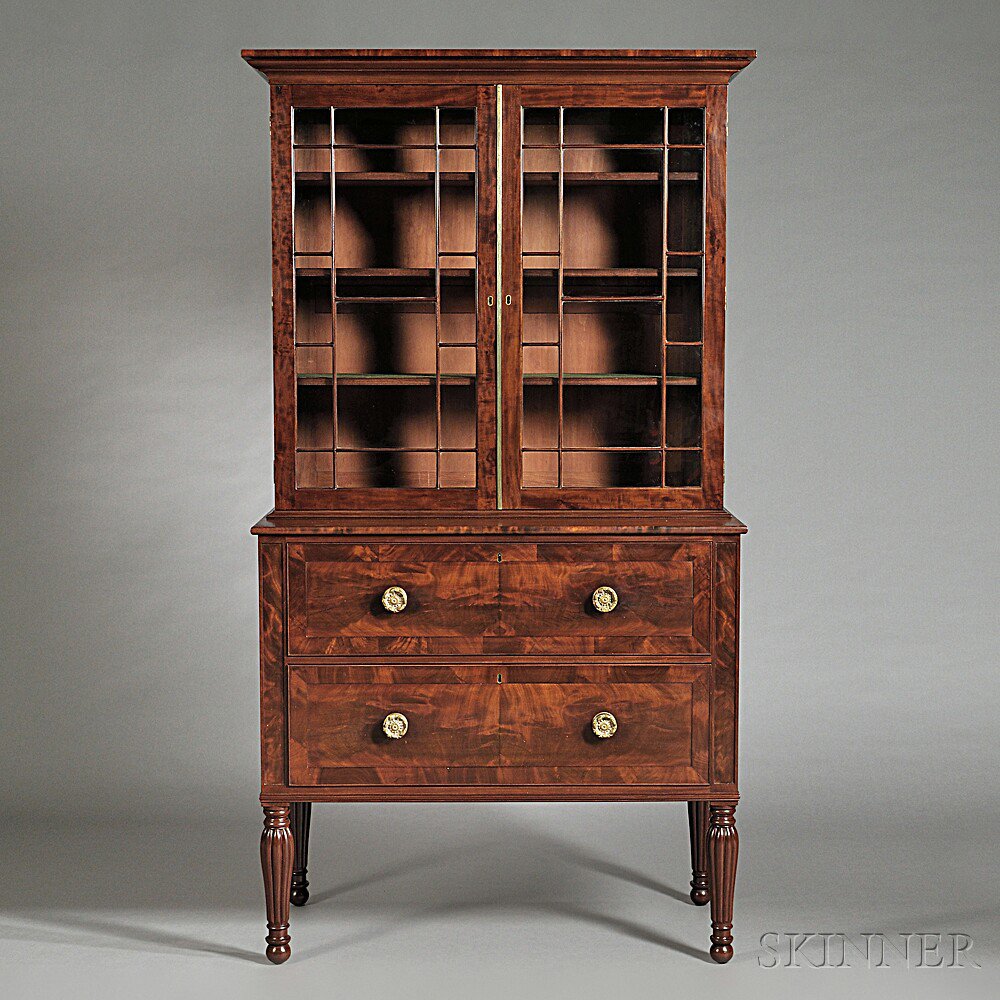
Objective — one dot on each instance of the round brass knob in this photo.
(394, 725)
(605, 725)
(605, 599)
(394, 599)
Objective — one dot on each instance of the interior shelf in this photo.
(607, 177)
(607, 448)
(406, 178)
(551, 378)
(394, 274)
(600, 272)
(324, 378)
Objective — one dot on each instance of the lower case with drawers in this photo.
(502, 665)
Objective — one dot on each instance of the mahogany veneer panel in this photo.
(664, 598)
(662, 728)
(335, 597)
(340, 725)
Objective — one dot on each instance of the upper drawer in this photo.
(335, 596)
(656, 598)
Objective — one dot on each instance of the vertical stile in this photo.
(559, 304)
(664, 260)
(437, 297)
(333, 294)
(293, 159)
(498, 345)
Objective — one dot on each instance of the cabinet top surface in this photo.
(724, 62)
(671, 522)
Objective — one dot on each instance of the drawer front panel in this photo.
(335, 729)
(335, 598)
(662, 731)
(663, 599)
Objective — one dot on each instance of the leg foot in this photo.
(276, 853)
(301, 814)
(698, 827)
(723, 850)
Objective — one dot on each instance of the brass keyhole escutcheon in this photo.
(605, 725)
(605, 599)
(394, 600)
(395, 725)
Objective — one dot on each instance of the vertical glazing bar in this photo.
(664, 260)
(437, 297)
(294, 193)
(559, 296)
(499, 294)
(333, 297)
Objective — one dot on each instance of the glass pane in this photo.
(685, 125)
(384, 126)
(612, 338)
(604, 416)
(384, 232)
(684, 299)
(685, 219)
(613, 126)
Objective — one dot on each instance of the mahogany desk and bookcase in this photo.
(498, 567)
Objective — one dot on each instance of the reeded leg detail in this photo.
(301, 814)
(276, 854)
(723, 850)
(698, 826)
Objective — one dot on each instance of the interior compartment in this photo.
(611, 468)
(685, 200)
(311, 223)
(603, 337)
(600, 416)
(612, 226)
(385, 338)
(683, 416)
(612, 126)
(313, 321)
(685, 125)
(684, 300)
(384, 126)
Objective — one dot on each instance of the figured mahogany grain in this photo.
(662, 728)
(340, 725)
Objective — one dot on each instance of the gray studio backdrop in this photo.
(860, 397)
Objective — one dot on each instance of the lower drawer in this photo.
(483, 726)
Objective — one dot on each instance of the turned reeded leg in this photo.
(301, 814)
(723, 849)
(276, 854)
(698, 826)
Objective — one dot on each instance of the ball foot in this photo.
(299, 895)
(721, 953)
(700, 896)
(278, 953)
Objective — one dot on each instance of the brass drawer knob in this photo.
(394, 725)
(605, 725)
(605, 599)
(394, 599)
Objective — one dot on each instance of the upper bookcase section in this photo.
(492, 66)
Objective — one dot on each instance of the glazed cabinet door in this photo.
(384, 277)
(613, 237)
